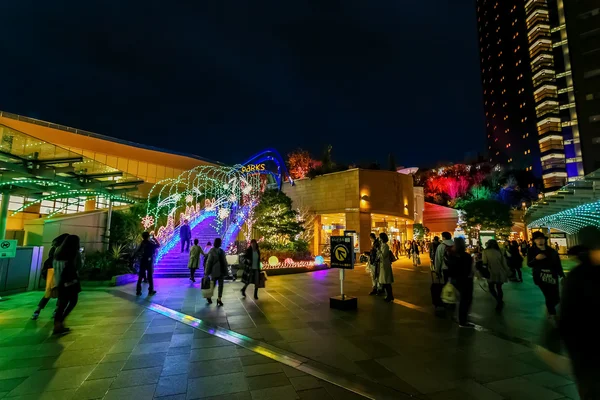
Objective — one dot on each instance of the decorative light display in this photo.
(189, 198)
(147, 221)
(319, 260)
(273, 260)
(572, 219)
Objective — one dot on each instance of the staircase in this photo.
(174, 263)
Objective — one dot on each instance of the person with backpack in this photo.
(216, 268)
(146, 251)
(440, 255)
(460, 270)
(546, 270)
(48, 275)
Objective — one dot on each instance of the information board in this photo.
(8, 248)
(342, 252)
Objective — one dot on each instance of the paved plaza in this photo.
(293, 345)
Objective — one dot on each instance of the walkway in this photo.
(299, 347)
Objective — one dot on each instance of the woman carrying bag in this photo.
(216, 268)
(252, 268)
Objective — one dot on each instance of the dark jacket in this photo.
(515, 260)
(216, 265)
(460, 265)
(374, 253)
(248, 257)
(547, 270)
(577, 326)
(145, 252)
(185, 233)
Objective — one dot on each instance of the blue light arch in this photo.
(270, 155)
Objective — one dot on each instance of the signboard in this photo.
(342, 252)
(559, 238)
(354, 236)
(8, 248)
(486, 236)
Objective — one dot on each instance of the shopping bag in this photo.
(449, 294)
(262, 278)
(247, 276)
(205, 283)
(208, 292)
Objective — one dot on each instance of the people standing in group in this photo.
(146, 251)
(415, 251)
(515, 261)
(524, 248)
(374, 263)
(185, 235)
(440, 255)
(460, 270)
(546, 270)
(194, 262)
(386, 276)
(216, 268)
(499, 272)
(48, 275)
(577, 326)
(66, 265)
(252, 262)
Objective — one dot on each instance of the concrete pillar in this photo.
(317, 236)
(108, 221)
(361, 223)
(90, 204)
(4, 214)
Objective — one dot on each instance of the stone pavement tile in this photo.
(291, 372)
(263, 369)
(570, 391)
(6, 385)
(176, 365)
(182, 339)
(314, 394)
(173, 397)
(156, 337)
(133, 334)
(79, 357)
(213, 353)
(39, 362)
(53, 395)
(201, 335)
(267, 381)
(171, 385)
(305, 383)
(547, 379)
(522, 389)
(133, 392)
(275, 393)
(467, 390)
(374, 370)
(114, 357)
(416, 375)
(298, 335)
(160, 329)
(123, 346)
(95, 389)
(106, 370)
(209, 342)
(242, 352)
(231, 396)
(145, 361)
(53, 379)
(399, 385)
(17, 373)
(93, 342)
(175, 351)
(137, 377)
(255, 359)
(151, 348)
(496, 369)
(214, 367)
(216, 385)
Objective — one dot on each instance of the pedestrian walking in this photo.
(415, 251)
(432, 249)
(546, 270)
(577, 327)
(374, 263)
(386, 276)
(66, 264)
(145, 252)
(185, 235)
(194, 262)
(460, 270)
(515, 261)
(440, 255)
(48, 275)
(216, 268)
(252, 268)
(498, 269)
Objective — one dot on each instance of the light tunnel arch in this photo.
(571, 220)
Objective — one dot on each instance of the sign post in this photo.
(342, 257)
(8, 248)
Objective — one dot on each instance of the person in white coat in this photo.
(386, 276)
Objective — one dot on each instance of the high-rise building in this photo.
(507, 85)
(553, 83)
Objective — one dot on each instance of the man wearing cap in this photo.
(547, 269)
(578, 325)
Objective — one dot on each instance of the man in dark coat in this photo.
(185, 234)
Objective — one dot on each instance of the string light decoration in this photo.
(70, 194)
(572, 219)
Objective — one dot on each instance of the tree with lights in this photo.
(276, 220)
(419, 231)
(300, 163)
(488, 214)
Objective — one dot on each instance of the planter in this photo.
(294, 270)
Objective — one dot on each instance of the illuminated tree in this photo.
(488, 214)
(275, 218)
(300, 163)
(419, 231)
(307, 219)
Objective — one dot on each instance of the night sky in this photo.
(225, 79)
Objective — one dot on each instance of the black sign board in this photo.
(342, 252)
